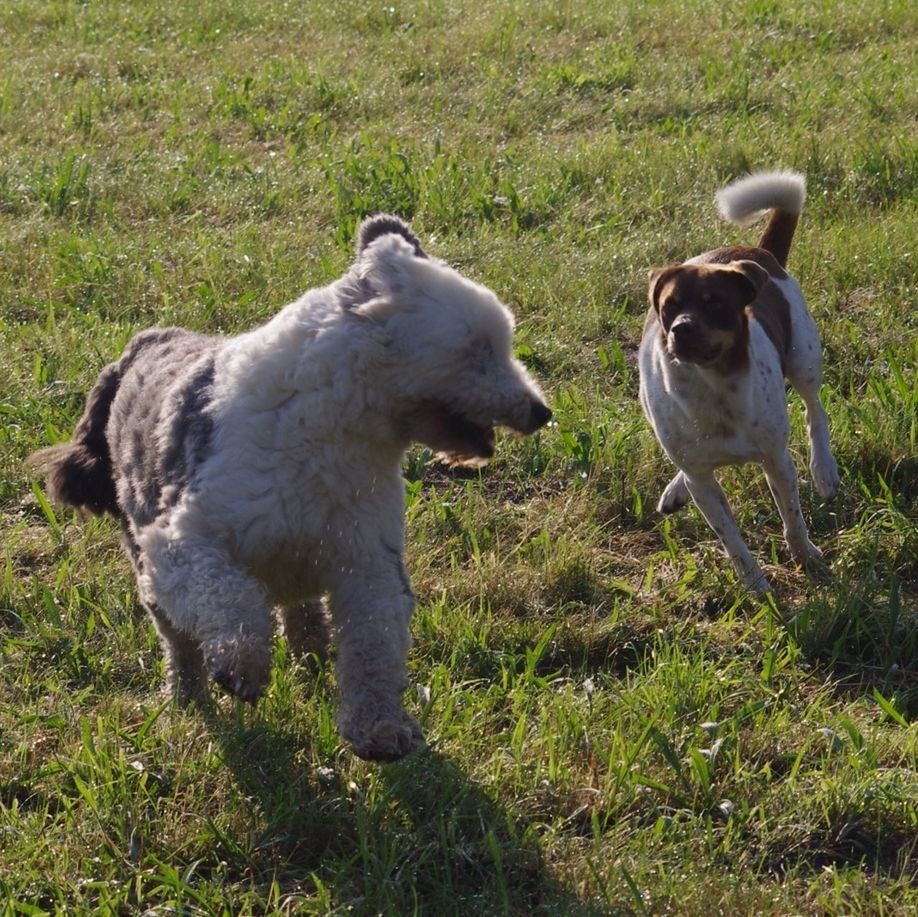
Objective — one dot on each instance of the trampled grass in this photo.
(614, 727)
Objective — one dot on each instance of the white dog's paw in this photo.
(386, 739)
(674, 497)
(825, 476)
(241, 668)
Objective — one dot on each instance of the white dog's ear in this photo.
(385, 269)
(385, 224)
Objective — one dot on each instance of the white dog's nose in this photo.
(539, 416)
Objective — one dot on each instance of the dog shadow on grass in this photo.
(416, 836)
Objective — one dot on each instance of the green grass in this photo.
(614, 727)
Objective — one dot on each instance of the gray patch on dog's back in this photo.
(188, 431)
(159, 429)
(384, 224)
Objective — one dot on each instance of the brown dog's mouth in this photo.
(696, 351)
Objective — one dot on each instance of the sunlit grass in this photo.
(614, 726)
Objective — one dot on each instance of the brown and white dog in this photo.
(723, 332)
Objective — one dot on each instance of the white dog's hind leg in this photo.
(183, 658)
(306, 628)
(782, 481)
(371, 610)
(204, 594)
(675, 496)
(710, 500)
(181, 653)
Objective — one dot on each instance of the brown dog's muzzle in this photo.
(689, 341)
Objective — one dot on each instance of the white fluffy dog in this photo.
(264, 470)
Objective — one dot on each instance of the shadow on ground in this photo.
(422, 838)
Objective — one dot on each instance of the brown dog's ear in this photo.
(653, 279)
(753, 273)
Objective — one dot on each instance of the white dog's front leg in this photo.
(782, 481)
(710, 500)
(204, 594)
(371, 610)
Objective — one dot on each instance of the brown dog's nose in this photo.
(540, 415)
(683, 331)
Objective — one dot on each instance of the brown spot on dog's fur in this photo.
(779, 233)
(772, 311)
(731, 253)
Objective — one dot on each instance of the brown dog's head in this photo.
(702, 308)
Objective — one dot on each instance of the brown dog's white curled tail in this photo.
(746, 201)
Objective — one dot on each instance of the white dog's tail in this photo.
(748, 199)
(79, 473)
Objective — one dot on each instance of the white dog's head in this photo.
(452, 342)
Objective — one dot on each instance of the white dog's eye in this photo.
(482, 356)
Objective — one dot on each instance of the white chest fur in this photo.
(704, 419)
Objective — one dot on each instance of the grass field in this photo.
(614, 727)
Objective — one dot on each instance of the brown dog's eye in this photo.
(668, 313)
(720, 314)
